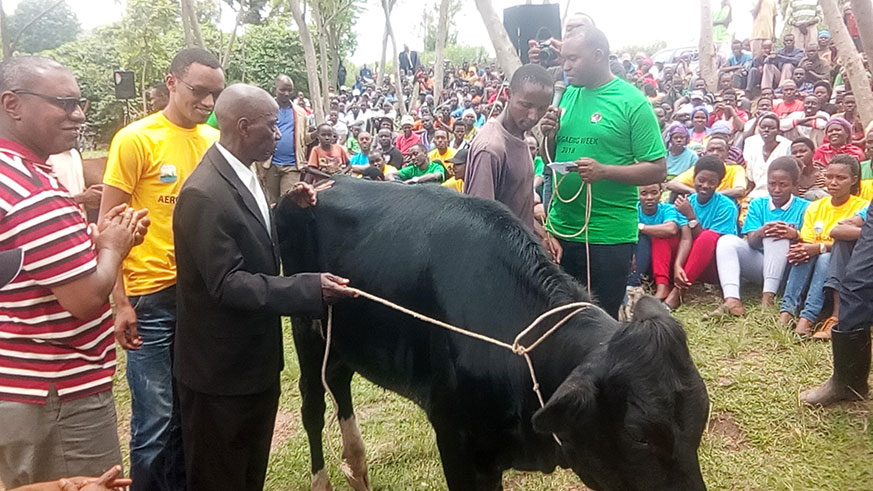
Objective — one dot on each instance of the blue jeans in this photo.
(642, 261)
(156, 459)
(798, 278)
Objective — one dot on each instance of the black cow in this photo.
(625, 399)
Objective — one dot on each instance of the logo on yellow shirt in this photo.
(168, 173)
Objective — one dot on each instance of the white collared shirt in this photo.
(784, 207)
(249, 180)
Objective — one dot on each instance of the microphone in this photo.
(560, 87)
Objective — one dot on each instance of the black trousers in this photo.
(227, 438)
(856, 288)
(610, 265)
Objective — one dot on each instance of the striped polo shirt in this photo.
(41, 344)
(801, 11)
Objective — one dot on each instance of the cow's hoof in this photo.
(354, 458)
(320, 481)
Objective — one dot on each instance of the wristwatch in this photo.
(693, 223)
(822, 248)
(641, 226)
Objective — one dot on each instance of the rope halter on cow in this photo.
(516, 347)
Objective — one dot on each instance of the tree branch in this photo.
(32, 22)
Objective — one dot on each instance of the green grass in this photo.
(761, 438)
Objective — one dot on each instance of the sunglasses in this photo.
(68, 104)
(199, 92)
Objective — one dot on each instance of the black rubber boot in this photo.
(851, 367)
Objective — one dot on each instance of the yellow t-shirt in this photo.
(734, 177)
(455, 183)
(867, 190)
(436, 156)
(821, 217)
(150, 160)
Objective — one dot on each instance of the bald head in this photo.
(242, 101)
(247, 116)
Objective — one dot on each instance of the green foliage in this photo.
(265, 51)
(56, 26)
(429, 25)
(150, 35)
(457, 54)
(648, 49)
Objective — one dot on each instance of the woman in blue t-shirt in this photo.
(772, 224)
(710, 215)
(658, 240)
(679, 157)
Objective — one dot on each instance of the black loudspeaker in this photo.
(526, 22)
(125, 87)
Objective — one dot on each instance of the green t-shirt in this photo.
(539, 166)
(613, 124)
(411, 171)
(866, 170)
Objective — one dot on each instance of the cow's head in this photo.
(633, 417)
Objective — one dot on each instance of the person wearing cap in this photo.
(679, 157)
(838, 134)
(458, 163)
(407, 138)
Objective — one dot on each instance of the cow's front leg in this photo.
(464, 471)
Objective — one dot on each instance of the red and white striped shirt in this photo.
(41, 344)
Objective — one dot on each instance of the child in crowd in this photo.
(328, 156)
(810, 257)
(658, 240)
(772, 223)
(710, 215)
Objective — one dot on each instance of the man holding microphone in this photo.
(609, 131)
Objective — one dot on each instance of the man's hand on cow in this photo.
(303, 195)
(550, 122)
(590, 170)
(335, 288)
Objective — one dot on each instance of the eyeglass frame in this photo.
(195, 91)
(61, 102)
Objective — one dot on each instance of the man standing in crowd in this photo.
(499, 164)
(608, 128)
(148, 162)
(228, 351)
(763, 24)
(57, 355)
(801, 17)
(282, 172)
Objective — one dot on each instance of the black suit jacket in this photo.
(229, 292)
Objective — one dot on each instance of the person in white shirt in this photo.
(760, 150)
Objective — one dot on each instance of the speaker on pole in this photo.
(125, 86)
(526, 22)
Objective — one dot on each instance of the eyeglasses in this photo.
(199, 92)
(68, 104)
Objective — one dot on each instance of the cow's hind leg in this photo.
(310, 350)
(340, 380)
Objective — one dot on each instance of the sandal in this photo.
(824, 332)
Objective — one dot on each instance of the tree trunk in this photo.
(863, 9)
(387, 6)
(193, 25)
(4, 33)
(225, 59)
(310, 58)
(507, 57)
(318, 16)
(398, 84)
(333, 48)
(855, 70)
(438, 64)
(707, 48)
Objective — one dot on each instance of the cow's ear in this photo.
(575, 397)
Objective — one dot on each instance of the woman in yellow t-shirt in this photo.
(825, 220)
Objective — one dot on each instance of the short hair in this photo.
(282, 76)
(710, 163)
(324, 125)
(16, 71)
(161, 89)
(458, 123)
(530, 73)
(850, 162)
(805, 141)
(788, 164)
(720, 136)
(441, 131)
(420, 146)
(189, 56)
(594, 39)
(372, 174)
(823, 83)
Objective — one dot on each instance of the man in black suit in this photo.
(228, 351)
